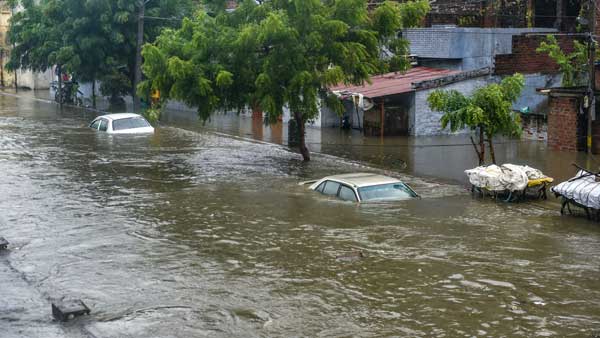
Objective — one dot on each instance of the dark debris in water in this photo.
(350, 256)
(3, 243)
(68, 309)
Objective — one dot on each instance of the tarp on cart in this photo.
(582, 189)
(509, 177)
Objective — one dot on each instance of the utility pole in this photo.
(14, 45)
(592, 73)
(138, 54)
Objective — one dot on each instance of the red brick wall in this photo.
(597, 18)
(524, 58)
(562, 123)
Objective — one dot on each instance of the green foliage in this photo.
(573, 66)
(90, 39)
(276, 54)
(152, 115)
(488, 109)
(387, 20)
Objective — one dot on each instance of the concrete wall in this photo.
(538, 104)
(476, 47)
(329, 118)
(427, 122)
(31, 80)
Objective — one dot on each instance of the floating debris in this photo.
(3, 243)
(65, 310)
(351, 256)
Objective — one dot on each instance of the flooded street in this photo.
(194, 233)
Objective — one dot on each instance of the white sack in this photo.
(585, 190)
(505, 177)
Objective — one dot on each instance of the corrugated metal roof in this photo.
(395, 83)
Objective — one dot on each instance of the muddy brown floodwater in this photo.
(193, 233)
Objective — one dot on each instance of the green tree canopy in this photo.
(488, 110)
(91, 39)
(276, 54)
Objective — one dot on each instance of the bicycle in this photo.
(69, 93)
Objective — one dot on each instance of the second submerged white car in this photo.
(124, 123)
(362, 187)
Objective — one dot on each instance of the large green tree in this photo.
(274, 55)
(91, 39)
(488, 110)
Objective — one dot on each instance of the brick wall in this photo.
(562, 123)
(524, 58)
(597, 18)
(477, 13)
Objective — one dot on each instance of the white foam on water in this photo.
(498, 283)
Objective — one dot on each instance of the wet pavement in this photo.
(195, 233)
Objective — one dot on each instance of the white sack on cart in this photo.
(584, 190)
(505, 177)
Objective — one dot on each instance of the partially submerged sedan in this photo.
(125, 123)
(362, 187)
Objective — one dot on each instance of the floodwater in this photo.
(194, 233)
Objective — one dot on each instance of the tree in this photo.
(573, 66)
(91, 39)
(275, 55)
(488, 110)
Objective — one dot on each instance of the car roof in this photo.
(119, 116)
(362, 179)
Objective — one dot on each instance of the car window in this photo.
(130, 123)
(331, 188)
(386, 192)
(320, 187)
(95, 124)
(103, 125)
(347, 194)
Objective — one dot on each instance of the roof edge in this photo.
(453, 78)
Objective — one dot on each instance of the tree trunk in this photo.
(492, 153)
(481, 146)
(94, 92)
(476, 149)
(302, 137)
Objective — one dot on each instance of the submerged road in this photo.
(191, 233)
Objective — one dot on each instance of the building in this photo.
(558, 14)
(395, 104)
(24, 78)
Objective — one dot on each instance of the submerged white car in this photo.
(362, 187)
(125, 123)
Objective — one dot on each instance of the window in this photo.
(130, 123)
(95, 124)
(103, 125)
(331, 188)
(391, 191)
(347, 194)
(320, 187)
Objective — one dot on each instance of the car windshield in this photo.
(391, 191)
(130, 123)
